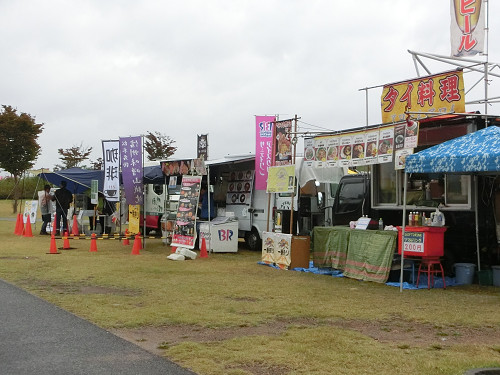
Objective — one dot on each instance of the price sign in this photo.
(414, 242)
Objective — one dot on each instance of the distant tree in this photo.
(18, 144)
(159, 146)
(73, 156)
(97, 164)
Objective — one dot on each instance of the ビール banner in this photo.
(467, 27)
(131, 162)
(111, 158)
(264, 149)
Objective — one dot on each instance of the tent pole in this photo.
(403, 233)
(209, 213)
(477, 223)
(144, 197)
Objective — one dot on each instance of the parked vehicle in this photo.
(378, 193)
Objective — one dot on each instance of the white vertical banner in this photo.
(111, 157)
(467, 27)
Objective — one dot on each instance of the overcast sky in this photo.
(96, 70)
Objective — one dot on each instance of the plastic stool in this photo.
(430, 266)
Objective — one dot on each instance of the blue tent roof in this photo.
(474, 152)
(78, 180)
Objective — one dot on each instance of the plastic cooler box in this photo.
(422, 241)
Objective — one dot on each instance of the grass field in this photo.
(226, 314)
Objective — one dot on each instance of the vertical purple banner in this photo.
(131, 162)
(264, 149)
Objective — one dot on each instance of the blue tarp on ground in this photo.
(438, 282)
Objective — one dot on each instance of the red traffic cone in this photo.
(19, 225)
(126, 240)
(174, 249)
(137, 245)
(74, 227)
(66, 241)
(53, 247)
(203, 250)
(54, 225)
(93, 243)
(27, 230)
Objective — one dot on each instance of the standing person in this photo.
(205, 203)
(106, 209)
(63, 199)
(45, 208)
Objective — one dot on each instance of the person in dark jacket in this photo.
(63, 199)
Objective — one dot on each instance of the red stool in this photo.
(431, 266)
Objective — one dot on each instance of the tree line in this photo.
(19, 148)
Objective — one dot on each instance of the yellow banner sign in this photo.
(438, 93)
(134, 214)
(281, 179)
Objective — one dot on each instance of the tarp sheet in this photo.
(474, 152)
(438, 283)
(78, 179)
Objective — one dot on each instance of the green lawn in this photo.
(331, 325)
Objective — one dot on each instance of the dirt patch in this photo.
(399, 332)
(74, 288)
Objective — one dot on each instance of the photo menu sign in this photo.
(184, 233)
(374, 146)
(239, 188)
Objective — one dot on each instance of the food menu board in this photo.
(361, 147)
(239, 188)
(185, 221)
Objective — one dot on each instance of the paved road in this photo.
(39, 338)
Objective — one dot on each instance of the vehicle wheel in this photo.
(253, 240)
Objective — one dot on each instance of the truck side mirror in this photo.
(321, 200)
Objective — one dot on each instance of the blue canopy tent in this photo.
(153, 175)
(474, 153)
(78, 179)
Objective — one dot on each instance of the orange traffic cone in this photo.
(66, 241)
(74, 227)
(137, 245)
(203, 250)
(54, 225)
(27, 230)
(93, 243)
(126, 240)
(19, 225)
(53, 247)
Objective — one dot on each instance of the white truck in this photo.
(232, 179)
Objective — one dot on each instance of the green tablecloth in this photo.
(330, 247)
(361, 254)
